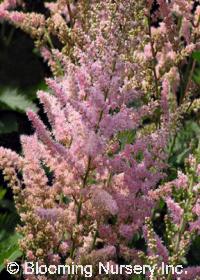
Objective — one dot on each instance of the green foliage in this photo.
(126, 137)
(2, 193)
(12, 102)
(196, 74)
(9, 249)
(11, 99)
(196, 55)
(183, 143)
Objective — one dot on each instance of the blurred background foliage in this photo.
(22, 72)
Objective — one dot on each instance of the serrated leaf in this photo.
(15, 101)
(9, 249)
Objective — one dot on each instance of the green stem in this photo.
(49, 39)
(172, 145)
(52, 47)
(94, 239)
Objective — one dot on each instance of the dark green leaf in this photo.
(9, 249)
(15, 101)
(196, 55)
(2, 193)
(196, 76)
(126, 137)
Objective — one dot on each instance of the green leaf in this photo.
(196, 76)
(184, 143)
(15, 101)
(9, 249)
(196, 55)
(126, 137)
(180, 158)
(2, 193)
(8, 123)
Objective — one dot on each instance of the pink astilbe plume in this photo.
(175, 210)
